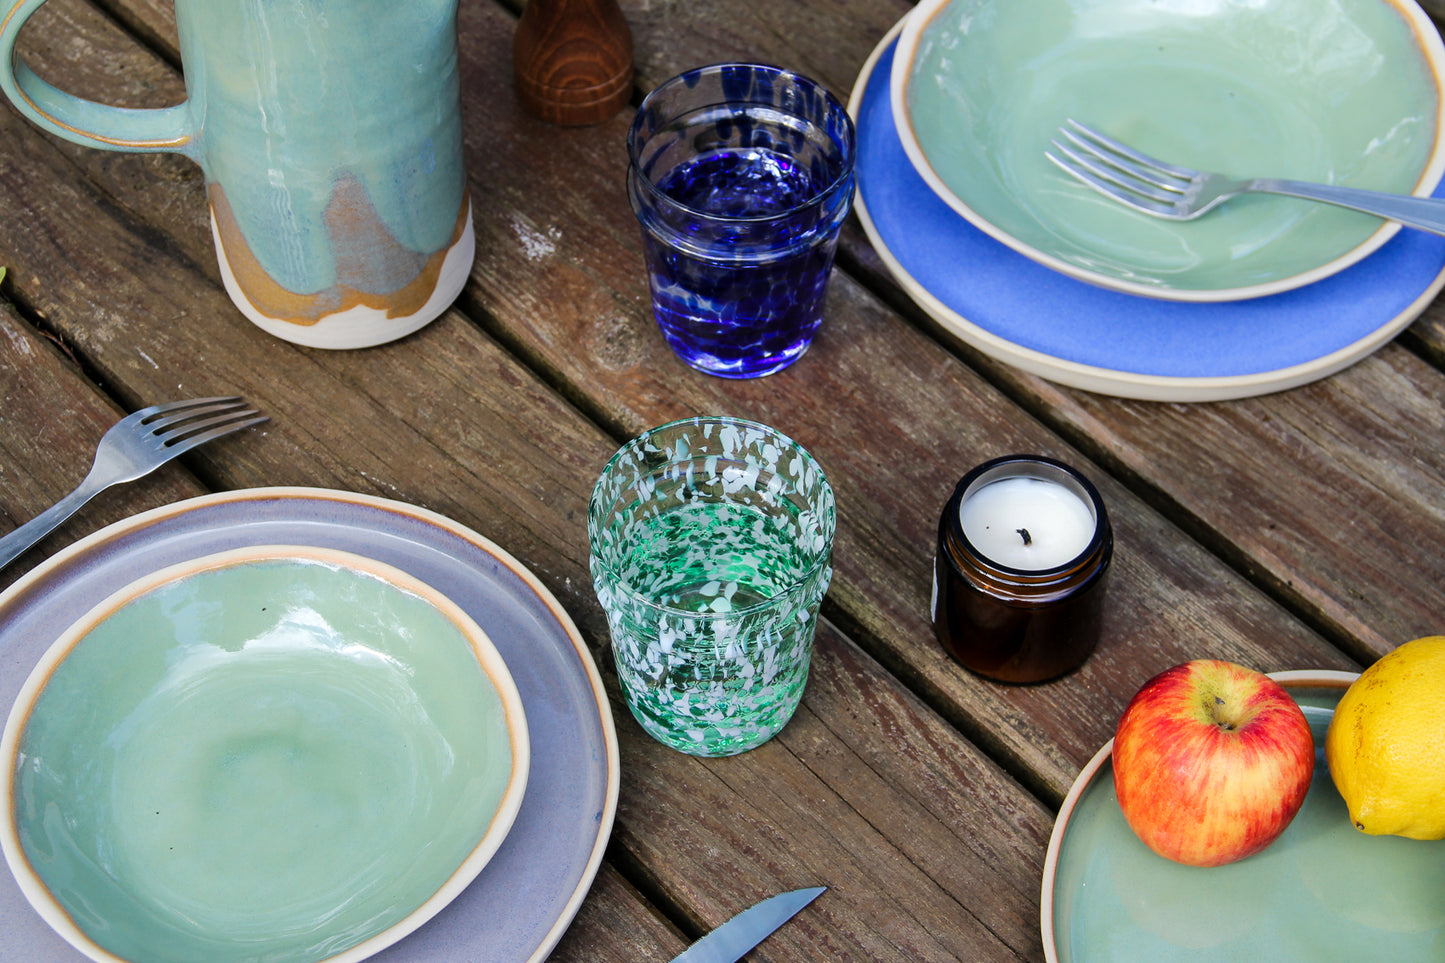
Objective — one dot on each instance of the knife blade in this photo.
(731, 940)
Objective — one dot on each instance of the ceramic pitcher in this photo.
(329, 134)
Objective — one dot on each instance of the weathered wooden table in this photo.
(1300, 529)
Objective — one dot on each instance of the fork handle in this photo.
(1425, 213)
(14, 543)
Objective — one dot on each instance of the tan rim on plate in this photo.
(910, 36)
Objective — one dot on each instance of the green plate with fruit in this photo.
(1322, 891)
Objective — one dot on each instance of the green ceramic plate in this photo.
(270, 754)
(1321, 892)
(1339, 91)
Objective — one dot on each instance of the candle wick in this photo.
(1024, 534)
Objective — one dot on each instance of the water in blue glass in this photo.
(746, 313)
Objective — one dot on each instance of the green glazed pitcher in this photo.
(329, 134)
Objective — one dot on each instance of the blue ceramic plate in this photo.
(521, 902)
(1345, 92)
(279, 753)
(1019, 311)
(1323, 891)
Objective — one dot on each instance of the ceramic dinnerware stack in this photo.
(958, 104)
(303, 735)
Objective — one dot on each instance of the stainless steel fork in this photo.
(135, 446)
(1180, 193)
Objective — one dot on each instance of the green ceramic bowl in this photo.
(1337, 91)
(275, 754)
(1322, 891)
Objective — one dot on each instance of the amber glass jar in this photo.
(1020, 624)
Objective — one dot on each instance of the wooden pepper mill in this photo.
(572, 60)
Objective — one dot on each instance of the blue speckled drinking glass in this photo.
(741, 175)
(712, 548)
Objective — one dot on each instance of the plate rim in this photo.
(1114, 382)
(1429, 43)
(1289, 678)
(40, 895)
(600, 708)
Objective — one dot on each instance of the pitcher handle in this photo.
(77, 119)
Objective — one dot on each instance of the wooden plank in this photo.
(50, 421)
(1362, 585)
(1321, 536)
(827, 41)
(559, 279)
(1348, 534)
(1341, 530)
(1427, 335)
(447, 419)
(894, 420)
(616, 925)
(956, 851)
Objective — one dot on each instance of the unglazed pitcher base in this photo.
(360, 326)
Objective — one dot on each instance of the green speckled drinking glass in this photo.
(711, 545)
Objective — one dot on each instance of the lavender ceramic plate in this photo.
(519, 905)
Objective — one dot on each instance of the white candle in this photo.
(1027, 523)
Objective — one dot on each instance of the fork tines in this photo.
(1117, 170)
(199, 420)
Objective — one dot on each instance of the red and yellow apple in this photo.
(1212, 760)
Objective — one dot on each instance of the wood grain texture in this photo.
(1315, 530)
(929, 850)
(1427, 335)
(1294, 530)
(825, 41)
(894, 420)
(563, 274)
(51, 419)
(449, 420)
(616, 925)
(1327, 495)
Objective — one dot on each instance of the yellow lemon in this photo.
(1386, 743)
